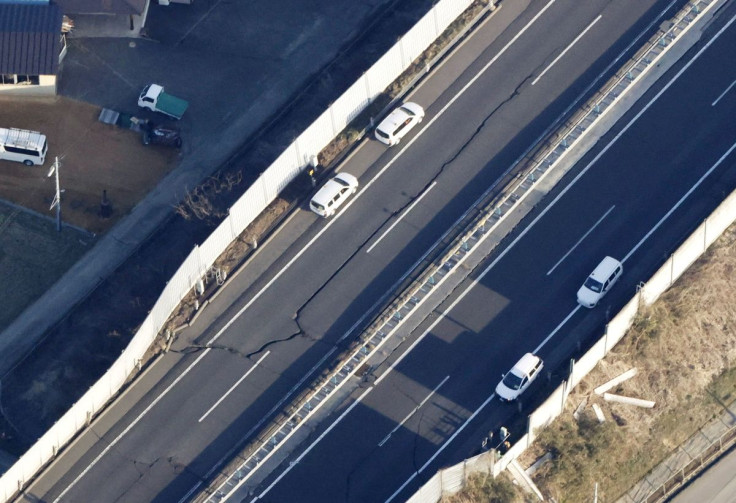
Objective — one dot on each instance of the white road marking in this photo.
(682, 200)
(130, 427)
(416, 201)
(723, 93)
(419, 406)
(581, 239)
(323, 435)
(442, 448)
(349, 203)
(531, 225)
(233, 386)
(567, 48)
(557, 328)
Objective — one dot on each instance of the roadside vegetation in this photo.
(684, 347)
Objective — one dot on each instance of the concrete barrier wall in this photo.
(263, 191)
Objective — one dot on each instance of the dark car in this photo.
(159, 135)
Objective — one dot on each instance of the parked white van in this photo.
(326, 201)
(399, 122)
(519, 377)
(21, 145)
(599, 282)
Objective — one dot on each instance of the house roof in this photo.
(102, 6)
(30, 38)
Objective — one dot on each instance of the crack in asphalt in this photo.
(339, 344)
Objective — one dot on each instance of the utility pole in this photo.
(57, 197)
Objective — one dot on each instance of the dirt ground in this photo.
(94, 157)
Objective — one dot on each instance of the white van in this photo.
(519, 377)
(21, 145)
(600, 281)
(399, 122)
(326, 201)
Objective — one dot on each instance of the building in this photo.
(31, 47)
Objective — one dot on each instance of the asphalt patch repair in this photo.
(83, 346)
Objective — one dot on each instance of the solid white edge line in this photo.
(544, 212)
(581, 239)
(401, 217)
(679, 203)
(442, 447)
(130, 426)
(323, 435)
(350, 202)
(414, 411)
(723, 94)
(218, 402)
(557, 328)
(567, 48)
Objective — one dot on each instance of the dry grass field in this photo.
(684, 347)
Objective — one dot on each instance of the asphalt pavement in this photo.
(238, 64)
(273, 327)
(415, 417)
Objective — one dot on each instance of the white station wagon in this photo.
(399, 122)
(519, 377)
(600, 281)
(333, 193)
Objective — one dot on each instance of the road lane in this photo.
(664, 178)
(324, 285)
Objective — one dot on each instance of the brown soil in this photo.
(94, 157)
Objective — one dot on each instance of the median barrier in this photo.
(256, 198)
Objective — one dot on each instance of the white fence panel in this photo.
(316, 136)
(721, 219)
(688, 252)
(447, 12)
(587, 362)
(349, 105)
(545, 413)
(452, 479)
(658, 283)
(430, 492)
(278, 175)
(418, 38)
(141, 340)
(215, 244)
(248, 207)
(118, 372)
(178, 286)
(621, 323)
(384, 71)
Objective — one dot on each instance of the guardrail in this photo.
(676, 265)
(478, 225)
(263, 191)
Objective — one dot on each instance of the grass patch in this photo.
(33, 256)
(482, 487)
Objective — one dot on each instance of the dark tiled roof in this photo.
(29, 38)
(102, 6)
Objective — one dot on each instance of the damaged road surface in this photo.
(304, 295)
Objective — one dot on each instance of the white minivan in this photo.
(519, 377)
(600, 281)
(21, 145)
(332, 194)
(399, 122)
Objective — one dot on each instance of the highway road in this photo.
(635, 197)
(308, 291)
(716, 485)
